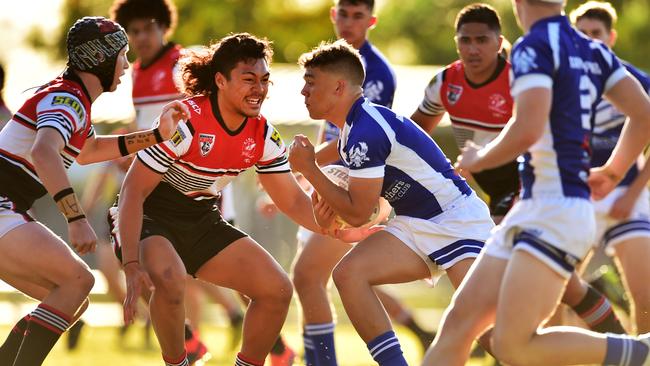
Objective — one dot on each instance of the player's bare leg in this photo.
(632, 258)
(246, 267)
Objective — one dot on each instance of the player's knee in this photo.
(81, 279)
(305, 277)
(348, 272)
(511, 351)
(277, 288)
(169, 283)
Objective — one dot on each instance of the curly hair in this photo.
(199, 67)
(162, 11)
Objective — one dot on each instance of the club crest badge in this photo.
(453, 93)
(206, 142)
(248, 150)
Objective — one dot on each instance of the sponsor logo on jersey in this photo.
(275, 137)
(497, 103)
(524, 60)
(396, 191)
(178, 137)
(248, 150)
(70, 102)
(453, 93)
(357, 154)
(194, 106)
(206, 142)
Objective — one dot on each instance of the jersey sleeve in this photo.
(612, 68)
(432, 103)
(367, 150)
(274, 158)
(533, 65)
(63, 112)
(160, 157)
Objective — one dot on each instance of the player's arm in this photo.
(532, 108)
(628, 96)
(139, 183)
(623, 206)
(428, 122)
(354, 205)
(290, 198)
(46, 157)
(102, 148)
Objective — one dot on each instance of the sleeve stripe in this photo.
(91, 131)
(274, 171)
(146, 154)
(166, 150)
(615, 77)
(272, 165)
(531, 81)
(372, 172)
(147, 164)
(59, 118)
(64, 132)
(160, 154)
(67, 114)
(56, 121)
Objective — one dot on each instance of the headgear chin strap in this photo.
(93, 45)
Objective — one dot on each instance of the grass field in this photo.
(101, 347)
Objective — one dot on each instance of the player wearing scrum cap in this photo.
(48, 133)
(516, 284)
(441, 224)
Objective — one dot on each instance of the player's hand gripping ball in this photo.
(339, 175)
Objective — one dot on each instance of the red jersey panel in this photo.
(203, 156)
(154, 85)
(483, 109)
(63, 105)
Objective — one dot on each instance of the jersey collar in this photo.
(68, 74)
(217, 115)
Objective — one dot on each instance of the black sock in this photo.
(278, 346)
(46, 325)
(597, 312)
(9, 349)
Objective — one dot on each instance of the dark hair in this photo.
(2, 77)
(199, 66)
(162, 11)
(339, 57)
(369, 3)
(479, 13)
(596, 10)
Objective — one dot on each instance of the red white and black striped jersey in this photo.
(203, 156)
(154, 85)
(477, 112)
(64, 105)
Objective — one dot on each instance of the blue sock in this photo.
(322, 336)
(310, 351)
(386, 350)
(624, 350)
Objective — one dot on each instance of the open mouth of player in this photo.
(254, 102)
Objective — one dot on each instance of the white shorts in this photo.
(9, 218)
(610, 232)
(442, 241)
(559, 231)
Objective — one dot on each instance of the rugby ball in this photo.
(338, 174)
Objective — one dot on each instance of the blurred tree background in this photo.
(408, 31)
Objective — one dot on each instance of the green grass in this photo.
(101, 347)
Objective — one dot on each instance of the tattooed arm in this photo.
(102, 148)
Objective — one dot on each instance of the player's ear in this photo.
(373, 22)
(333, 14)
(219, 80)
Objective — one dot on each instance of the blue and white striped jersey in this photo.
(419, 180)
(608, 124)
(578, 70)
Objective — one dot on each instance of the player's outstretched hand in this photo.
(82, 236)
(356, 234)
(171, 114)
(136, 278)
(469, 158)
(302, 156)
(601, 182)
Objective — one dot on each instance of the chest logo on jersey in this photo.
(206, 142)
(357, 154)
(248, 150)
(453, 93)
(497, 104)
